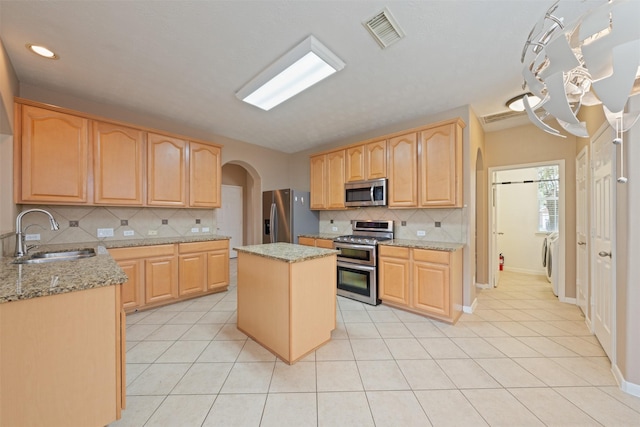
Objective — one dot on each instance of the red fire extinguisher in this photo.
(501, 262)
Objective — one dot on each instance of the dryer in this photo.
(545, 252)
(552, 261)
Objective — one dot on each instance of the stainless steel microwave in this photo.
(366, 193)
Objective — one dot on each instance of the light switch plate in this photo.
(195, 230)
(334, 228)
(129, 232)
(105, 232)
(421, 233)
(31, 237)
(152, 232)
(205, 229)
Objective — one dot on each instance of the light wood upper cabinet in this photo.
(166, 171)
(441, 166)
(355, 168)
(335, 185)
(318, 181)
(54, 157)
(366, 161)
(376, 159)
(205, 175)
(118, 164)
(327, 180)
(403, 171)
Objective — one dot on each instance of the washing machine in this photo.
(545, 251)
(553, 253)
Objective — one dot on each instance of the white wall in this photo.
(521, 242)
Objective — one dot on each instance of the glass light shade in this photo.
(517, 104)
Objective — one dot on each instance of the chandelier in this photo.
(592, 60)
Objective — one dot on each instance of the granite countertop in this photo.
(286, 252)
(423, 244)
(327, 236)
(25, 281)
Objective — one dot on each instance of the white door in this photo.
(602, 232)
(582, 233)
(229, 217)
(495, 259)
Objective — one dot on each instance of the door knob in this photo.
(604, 254)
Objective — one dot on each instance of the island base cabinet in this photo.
(62, 359)
(423, 281)
(288, 308)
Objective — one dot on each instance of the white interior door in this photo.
(229, 218)
(602, 232)
(495, 260)
(582, 233)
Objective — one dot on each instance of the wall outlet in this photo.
(129, 232)
(105, 232)
(334, 228)
(205, 229)
(421, 233)
(152, 232)
(74, 223)
(195, 230)
(31, 237)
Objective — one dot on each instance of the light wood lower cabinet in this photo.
(320, 243)
(163, 274)
(63, 359)
(423, 281)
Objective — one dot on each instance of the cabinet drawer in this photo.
(393, 251)
(324, 243)
(203, 246)
(427, 255)
(141, 251)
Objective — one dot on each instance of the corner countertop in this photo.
(423, 244)
(286, 252)
(25, 281)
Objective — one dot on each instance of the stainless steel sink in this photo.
(43, 257)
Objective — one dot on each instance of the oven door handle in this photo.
(356, 266)
(338, 245)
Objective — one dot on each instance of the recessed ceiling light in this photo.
(42, 51)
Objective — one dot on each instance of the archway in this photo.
(240, 173)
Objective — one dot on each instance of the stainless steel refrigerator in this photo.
(286, 214)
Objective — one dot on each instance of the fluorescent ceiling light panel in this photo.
(302, 67)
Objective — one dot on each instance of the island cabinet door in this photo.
(161, 279)
(193, 273)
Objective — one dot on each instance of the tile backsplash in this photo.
(140, 221)
(452, 222)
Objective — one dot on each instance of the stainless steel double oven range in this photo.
(358, 260)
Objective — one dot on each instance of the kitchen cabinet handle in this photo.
(604, 254)
(582, 243)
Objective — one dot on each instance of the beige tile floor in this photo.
(522, 359)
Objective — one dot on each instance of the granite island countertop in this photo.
(286, 252)
(423, 244)
(25, 281)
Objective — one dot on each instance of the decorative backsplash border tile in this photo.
(439, 225)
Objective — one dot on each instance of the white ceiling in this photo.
(184, 60)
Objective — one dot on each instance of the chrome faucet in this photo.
(21, 250)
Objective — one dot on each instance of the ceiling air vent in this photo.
(384, 28)
(492, 118)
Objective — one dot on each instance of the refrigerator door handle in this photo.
(272, 220)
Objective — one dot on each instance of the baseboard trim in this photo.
(569, 300)
(483, 286)
(470, 309)
(626, 386)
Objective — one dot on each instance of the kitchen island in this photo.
(287, 297)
